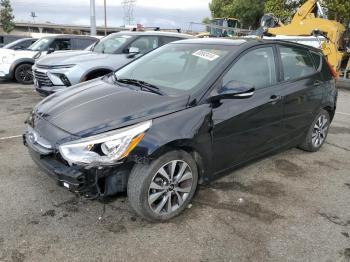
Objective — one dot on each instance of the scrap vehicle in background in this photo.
(17, 64)
(20, 44)
(310, 26)
(59, 71)
(222, 27)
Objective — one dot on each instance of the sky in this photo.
(162, 13)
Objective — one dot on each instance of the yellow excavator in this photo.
(311, 23)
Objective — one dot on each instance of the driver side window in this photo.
(257, 67)
(61, 44)
(145, 43)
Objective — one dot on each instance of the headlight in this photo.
(105, 149)
(62, 66)
(7, 59)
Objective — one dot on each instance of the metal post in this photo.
(92, 18)
(105, 7)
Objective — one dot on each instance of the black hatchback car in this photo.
(182, 115)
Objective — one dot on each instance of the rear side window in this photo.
(296, 62)
(256, 67)
(169, 39)
(80, 43)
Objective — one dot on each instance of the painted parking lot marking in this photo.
(9, 137)
(341, 113)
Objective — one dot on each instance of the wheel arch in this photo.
(185, 145)
(18, 63)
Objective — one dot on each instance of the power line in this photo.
(129, 6)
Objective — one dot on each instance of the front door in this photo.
(246, 128)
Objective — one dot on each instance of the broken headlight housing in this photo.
(104, 149)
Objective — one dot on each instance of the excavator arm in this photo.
(305, 22)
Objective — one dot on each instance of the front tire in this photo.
(317, 133)
(24, 74)
(162, 189)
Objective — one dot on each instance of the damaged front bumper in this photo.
(92, 182)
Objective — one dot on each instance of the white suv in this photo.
(17, 64)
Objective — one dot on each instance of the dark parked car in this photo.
(183, 114)
(20, 44)
(6, 39)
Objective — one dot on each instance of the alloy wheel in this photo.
(26, 74)
(170, 187)
(320, 131)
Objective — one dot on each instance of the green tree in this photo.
(6, 16)
(339, 10)
(220, 8)
(247, 11)
(279, 8)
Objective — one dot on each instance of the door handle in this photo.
(317, 83)
(275, 98)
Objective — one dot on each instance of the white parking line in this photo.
(9, 137)
(341, 113)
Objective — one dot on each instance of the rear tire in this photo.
(317, 133)
(24, 74)
(162, 189)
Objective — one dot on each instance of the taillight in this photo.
(333, 72)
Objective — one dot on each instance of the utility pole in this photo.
(105, 7)
(92, 18)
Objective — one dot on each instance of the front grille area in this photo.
(42, 78)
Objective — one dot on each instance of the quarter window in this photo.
(297, 63)
(256, 67)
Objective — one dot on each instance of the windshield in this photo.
(176, 68)
(40, 45)
(110, 44)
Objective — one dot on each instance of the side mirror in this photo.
(234, 90)
(134, 50)
(51, 50)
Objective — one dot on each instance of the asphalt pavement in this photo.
(292, 206)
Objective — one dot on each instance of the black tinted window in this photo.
(169, 39)
(296, 62)
(61, 44)
(256, 67)
(80, 44)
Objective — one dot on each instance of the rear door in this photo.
(247, 128)
(302, 89)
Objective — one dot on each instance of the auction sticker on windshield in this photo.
(206, 55)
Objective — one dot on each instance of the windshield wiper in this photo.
(142, 84)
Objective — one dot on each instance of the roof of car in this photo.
(155, 33)
(241, 41)
(71, 36)
(214, 41)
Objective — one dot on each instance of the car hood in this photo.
(71, 57)
(98, 106)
